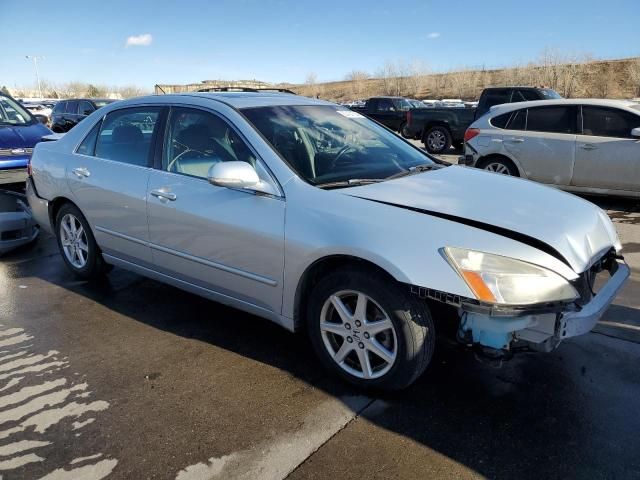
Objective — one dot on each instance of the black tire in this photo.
(414, 340)
(403, 131)
(437, 139)
(499, 165)
(95, 266)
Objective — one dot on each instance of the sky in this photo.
(141, 42)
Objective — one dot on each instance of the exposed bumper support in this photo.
(578, 323)
(14, 175)
(541, 331)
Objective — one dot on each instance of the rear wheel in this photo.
(77, 244)
(437, 140)
(500, 165)
(369, 332)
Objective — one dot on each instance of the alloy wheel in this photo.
(358, 334)
(498, 167)
(74, 241)
(436, 140)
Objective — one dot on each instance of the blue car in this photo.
(19, 133)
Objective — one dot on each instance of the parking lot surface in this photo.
(129, 378)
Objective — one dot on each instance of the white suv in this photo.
(590, 146)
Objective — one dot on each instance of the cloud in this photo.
(143, 40)
(433, 35)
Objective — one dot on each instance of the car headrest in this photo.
(127, 134)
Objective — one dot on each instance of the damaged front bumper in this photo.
(503, 329)
(17, 226)
(541, 331)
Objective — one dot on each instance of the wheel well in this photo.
(494, 156)
(54, 208)
(321, 268)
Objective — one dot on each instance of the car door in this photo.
(228, 241)
(545, 148)
(607, 155)
(385, 112)
(70, 115)
(108, 175)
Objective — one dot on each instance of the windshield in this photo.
(416, 104)
(550, 94)
(12, 113)
(326, 144)
(102, 103)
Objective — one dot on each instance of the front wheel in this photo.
(437, 140)
(404, 131)
(77, 244)
(368, 332)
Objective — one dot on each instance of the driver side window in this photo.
(196, 140)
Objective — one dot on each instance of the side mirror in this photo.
(635, 132)
(41, 118)
(233, 175)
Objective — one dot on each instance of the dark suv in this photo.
(68, 113)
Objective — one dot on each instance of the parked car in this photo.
(315, 217)
(39, 109)
(389, 111)
(439, 128)
(68, 113)
(20, 130)
(590, 146)
(17, 227)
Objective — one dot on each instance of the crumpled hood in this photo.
(577, 230)
(25, 136)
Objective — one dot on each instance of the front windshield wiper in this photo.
(352, 182)
(417, 169)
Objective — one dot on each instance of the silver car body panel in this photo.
(253, 253)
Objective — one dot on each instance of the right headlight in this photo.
(507, 281)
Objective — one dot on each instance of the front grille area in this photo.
(6, 152)
(589, 280)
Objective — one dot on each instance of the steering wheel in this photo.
(341, 153)
(177, 157)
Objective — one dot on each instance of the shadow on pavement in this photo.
(568, 414)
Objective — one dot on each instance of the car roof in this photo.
(600, 102)
(234, 99)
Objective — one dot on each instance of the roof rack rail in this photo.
(245, 89)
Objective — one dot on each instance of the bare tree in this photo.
(358, 81)
(633, 71)
(313, 89)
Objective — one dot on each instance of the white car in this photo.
(39, 109)
(581, 145)
(318, 218)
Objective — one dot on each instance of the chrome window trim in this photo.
(224, 118)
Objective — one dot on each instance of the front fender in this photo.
(405, 244)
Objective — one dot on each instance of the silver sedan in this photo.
(321, 220)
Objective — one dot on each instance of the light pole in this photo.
(35, 59)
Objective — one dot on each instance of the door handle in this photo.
(81, 172)
(163, 195)
(516, 140)
(588, 146)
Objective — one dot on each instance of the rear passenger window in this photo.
(608, 122)
(551, 119)
(501, 120)
(88, 145)
(385, 106)
(518, 120)
(126, 135)
(528, 95)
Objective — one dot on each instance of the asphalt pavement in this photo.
(128, 378)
